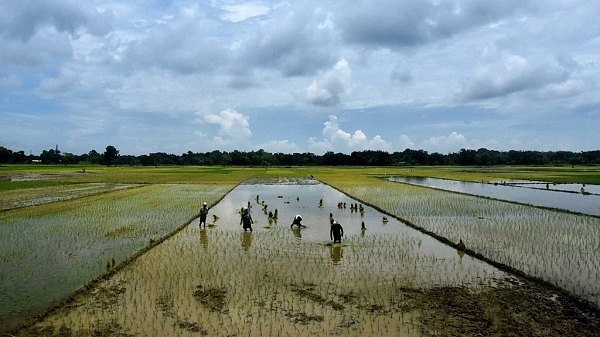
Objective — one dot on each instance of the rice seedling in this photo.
(279, 284)
(554, 246)
(24, 197)
(389, 280)
(52, 250)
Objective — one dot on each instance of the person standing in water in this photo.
(297, 221)
(336, 231)
(246, 219)
(203, 215)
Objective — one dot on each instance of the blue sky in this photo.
(299, 76)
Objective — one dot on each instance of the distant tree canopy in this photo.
(110, 155)
(464, 157)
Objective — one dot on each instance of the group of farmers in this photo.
(336, 231)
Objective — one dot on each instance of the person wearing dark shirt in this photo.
(297, 221)
(203, 214)
(336, 231)
(246, 219)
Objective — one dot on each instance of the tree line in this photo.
(464, 157)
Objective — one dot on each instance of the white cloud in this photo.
(446, 144)
(511, 74)
(398, 67)
(401, 75)
(404, 142)
(327, 89)
(335, 137)
(23, 19)
(410, 23)
(456, 141)
(293, 42)
(65, 81)
(279, 146)
(244, 11)
(232, 124)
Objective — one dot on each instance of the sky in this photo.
(299, 76)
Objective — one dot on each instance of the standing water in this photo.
(569, 197)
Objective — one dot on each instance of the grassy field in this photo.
(511, 235)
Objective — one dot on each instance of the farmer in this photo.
(246, 219)
(203, 214)
(297, 221)
(336, 231)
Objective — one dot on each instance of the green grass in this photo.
(50, 176)
(75, 238)
(557, 174)
(557, 247)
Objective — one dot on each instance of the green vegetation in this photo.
(464, 157)
(553, 246)
(59, 247)
(275, 286)
(88, 220)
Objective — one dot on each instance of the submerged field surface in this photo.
(554, 246)
(49, 251)
(388, 280)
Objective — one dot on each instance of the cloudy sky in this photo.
(299, 76)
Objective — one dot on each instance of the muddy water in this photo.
(276, 281)
(561, 196)
(315, 203)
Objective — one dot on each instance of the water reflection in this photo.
(316, 218)
(297, 233)
(522, 192)
(336, 253)
(204, 238)
(246, 240)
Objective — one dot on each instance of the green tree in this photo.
(50, 156)
(5, 155)
(110, 155)
(69, 158)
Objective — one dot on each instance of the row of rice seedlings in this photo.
(278, 286)
(51, 250)
(37, 196)
(558, 247)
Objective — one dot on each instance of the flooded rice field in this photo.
(38, 196)
(48, 253)
(579, 198)
(387, 280)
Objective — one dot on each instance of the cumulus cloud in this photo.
(401, 75)
(397, 24)
(282, 146)
(163, 60)
(327, 89)
(404, 142)
(294, 42)
(16, 54)
(181, 46)
(509, 75)
(232, 124)
(244, 11)
(563, 89)
(456, 141)
(335, 137)
(65, 81)
(453, 140)
(22, 19)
